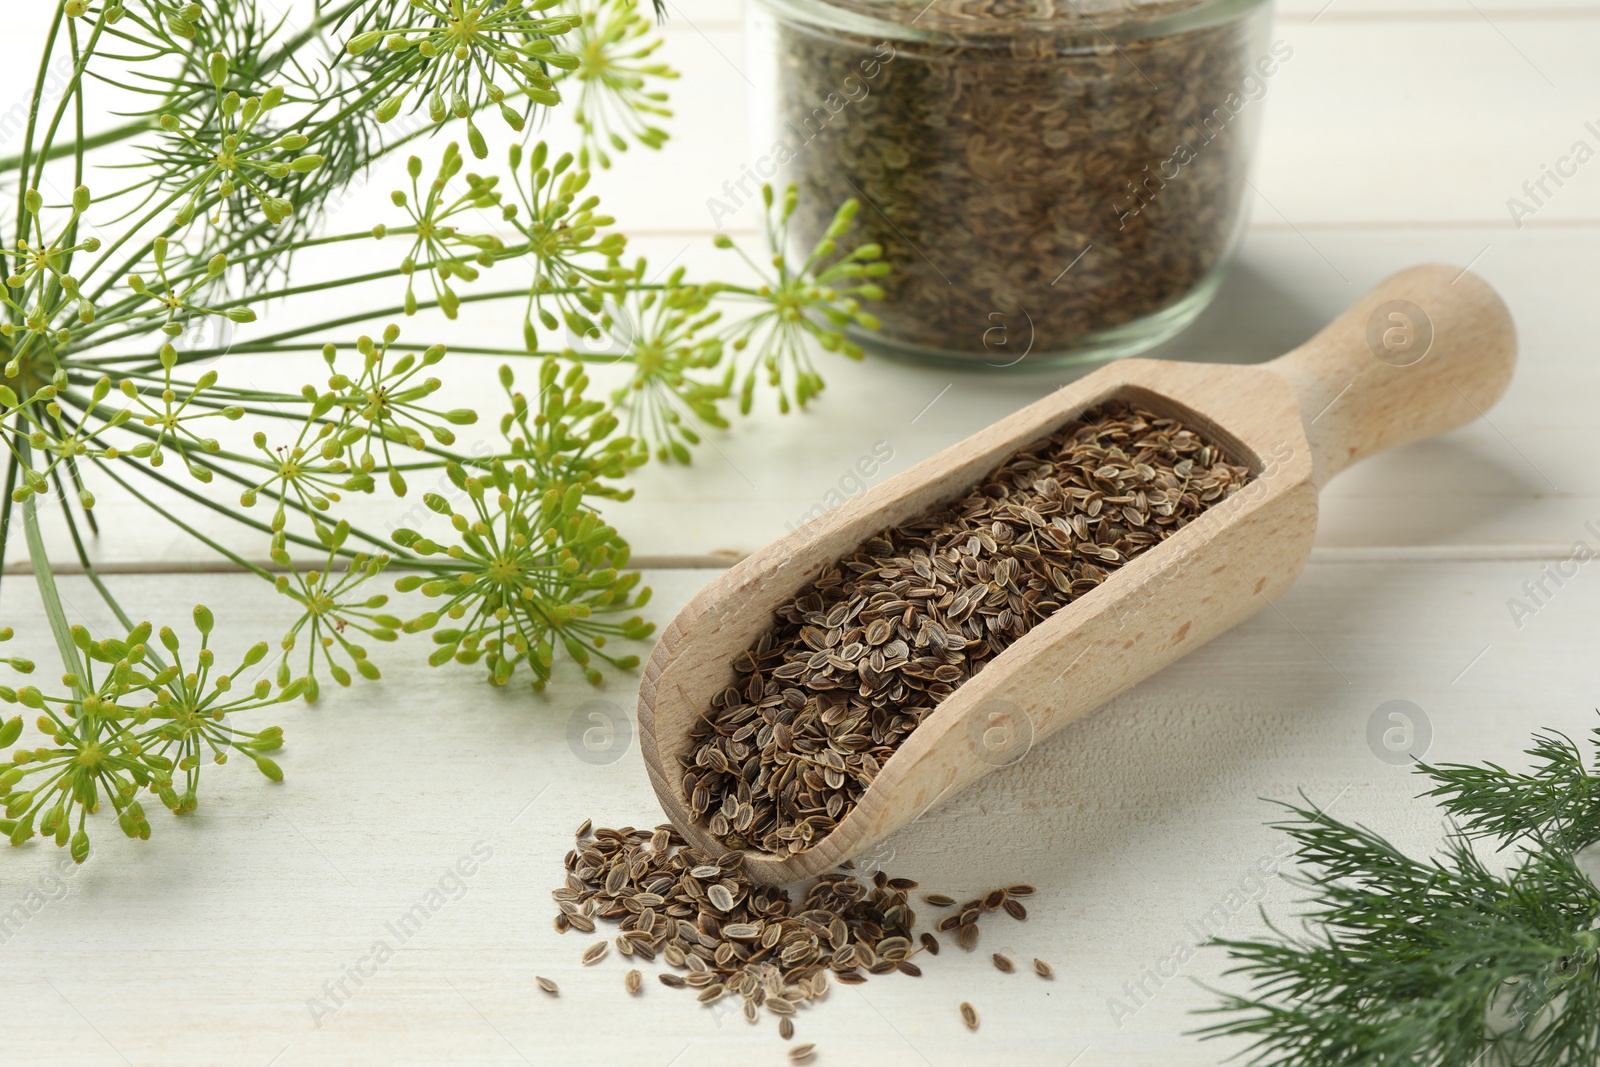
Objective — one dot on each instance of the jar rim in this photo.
(1115, 20)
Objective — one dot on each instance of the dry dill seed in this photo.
(930, 943)
(633, 982)
(1003, 127)
(728, 935)
(969, 1015)
(859, 658)
(1003, 963)
(785, 1027)
(939, 900)
(720, 898)
(967, 938)
(547, 985)
(1015, 909)
(1043, 969)
(907, 967)
(595, 953)
(802, 1053)
(993, 899)
(583, 829)
(1020, 891)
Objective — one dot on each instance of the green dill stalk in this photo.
(250, 131)
(1440, 961)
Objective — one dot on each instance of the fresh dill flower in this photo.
(171, 420)
(296, 476)
(133, 722)
(39, 286)
(568, 440)
(575, 264)
(177, 306)
(1444, 960)
(319, 97)
(52, 432)
(532, 569)
(816, 300)
(383, 404)
(613, 45)
(238, 153)
(450, 51)
(665, 330)
(335, 616)
(440, 249)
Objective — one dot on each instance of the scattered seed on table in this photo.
(596, 952)
(969, 1015)
(802, 1053)
(1015, 909)
(583, 831)
(993, 899)
(1044, 969)
(1003, 963)
(968, 937)
(1020, 890)
(547, 985)
(948, 923)
(907, 967)
(930, 943)
(728, 937)
(785, 1027)
(939, 900)
(562, 923)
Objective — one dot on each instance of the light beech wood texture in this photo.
(1425, 351)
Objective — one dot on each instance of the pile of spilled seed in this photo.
(725, 936)
(855, 662)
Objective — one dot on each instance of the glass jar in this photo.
(1051, 180)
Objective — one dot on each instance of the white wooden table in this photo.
(1394, 136)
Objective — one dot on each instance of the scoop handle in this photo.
(1427, 350)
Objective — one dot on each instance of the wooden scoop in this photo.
(1428, 350)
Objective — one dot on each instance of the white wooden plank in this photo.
(1521, 480)
(205, 944)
